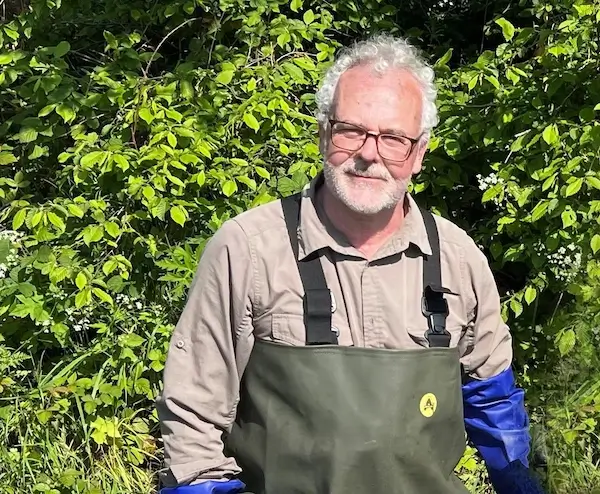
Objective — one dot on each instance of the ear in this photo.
(420, 154)
(322, 139)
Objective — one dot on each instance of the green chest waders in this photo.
(327, 419)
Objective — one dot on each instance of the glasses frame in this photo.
(376, 135)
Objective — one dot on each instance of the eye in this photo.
(394, 141)
(348, 131)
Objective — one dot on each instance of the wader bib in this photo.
(329, 419)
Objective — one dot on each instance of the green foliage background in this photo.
(130, 131)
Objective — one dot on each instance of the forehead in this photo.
(392, 99)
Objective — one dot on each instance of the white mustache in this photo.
(370, 172)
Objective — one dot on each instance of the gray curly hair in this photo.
(381, 52)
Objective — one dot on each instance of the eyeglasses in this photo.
(352, 137)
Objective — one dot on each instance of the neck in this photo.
(366, 233)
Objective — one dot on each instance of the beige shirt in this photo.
(247, 286)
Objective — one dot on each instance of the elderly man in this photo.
(342, 340)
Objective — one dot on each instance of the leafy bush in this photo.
(131, 130)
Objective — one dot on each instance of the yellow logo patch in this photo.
(428, 405)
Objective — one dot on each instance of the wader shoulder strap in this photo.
(434, 305)
(317, 297)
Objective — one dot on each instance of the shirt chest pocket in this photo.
(289, 329)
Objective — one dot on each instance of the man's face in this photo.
(364, 180)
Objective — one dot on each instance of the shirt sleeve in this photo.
(208, 351)
(490, 352)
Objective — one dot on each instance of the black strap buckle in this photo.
(435, 309)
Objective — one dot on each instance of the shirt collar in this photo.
(316, 232)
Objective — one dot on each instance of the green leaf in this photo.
(84, 297)
(56, 221)
(47, 110)
(445, 58)
(178, 214)
(294, 71)
(81, 280)
(586, 114)
(508, 30)
(239, 162)
(308, 17)
(262, 172)
(539, 210)
(251, 121)
(19, 219)
(75, 210)
(6, 58)
(229, 187)
(204, 149)
(224, 77)
(91, 159)
(62, 49)
(530, 294)
(189, 158)
(566, 342)
(452, 147)
(112, 229)
(283, 38)
(492, 192)
(595, 243)
(289, 126)
(66, 112)
(574, 187)
(146, 115)
(102, 295)
(187, 90)
(121, 161)
(148, 192)
(7, 158)
(38, 152)
(493, 80)
(109, 266)
(593, 182)
(550, 134)
(27, 135)
(132, 340)
(516, 306)
(296, 5)
(93, 233)
(568, 218)
(36, 218)
(247, 181)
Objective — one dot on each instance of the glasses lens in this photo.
(394, 147)
(347, 136)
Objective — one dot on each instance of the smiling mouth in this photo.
(362, 177)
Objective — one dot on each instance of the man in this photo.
(340, 340)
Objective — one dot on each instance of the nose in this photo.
(369, 152)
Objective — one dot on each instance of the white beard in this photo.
(364, 197)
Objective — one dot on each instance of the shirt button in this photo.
(180, 344)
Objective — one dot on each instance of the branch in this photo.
(163, 41)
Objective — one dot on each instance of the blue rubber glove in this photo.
(209, 487)
(496, 420)
(498, 425)
(516, 478)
